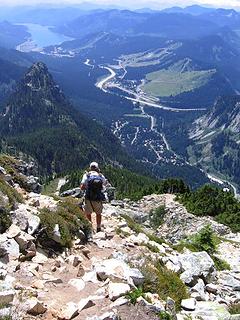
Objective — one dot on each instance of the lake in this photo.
(41, 36)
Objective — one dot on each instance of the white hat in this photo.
(94, 165)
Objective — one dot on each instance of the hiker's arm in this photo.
(83, 185)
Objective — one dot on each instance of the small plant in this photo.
(70, 220)
(234, 308)
(166, 283)
(132, 224)
(154, 238)
(152, 248)
(205, 240)
(164, 315)
(220, 264)
(156, 216)
(133, 295)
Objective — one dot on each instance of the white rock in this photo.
(69, 311)
(188, 304)
(8, 247)
(119, 302)
(197, 265)
(3, 274)
(79, 284)
(100, 236)
(13, 231)
(108, 316)
(33, 223)
(116, 290)
(117, 270)
(35, 307)
(7, 296)
(198, 291)
(40, 258)
(85, 304)
(140, 239)
(90, 277)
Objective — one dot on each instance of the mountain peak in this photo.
(38, 77)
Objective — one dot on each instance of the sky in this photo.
(130, 3)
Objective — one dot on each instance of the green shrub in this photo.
(152, 248)
(11, 165)
(205, 240)
(211, 201)
(220, 264)
(234, 308)
(166, 283)
(164, 315)
(5, 219)
(133, 295)
(136, 227)
(70, 219)
(153, 237)
(156, 216)
(10, 192)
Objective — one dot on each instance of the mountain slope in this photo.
(39, 121)
(216, 138)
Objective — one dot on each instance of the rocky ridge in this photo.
(91, 280)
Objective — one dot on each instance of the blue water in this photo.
(43, 36)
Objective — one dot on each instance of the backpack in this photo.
(94, 188)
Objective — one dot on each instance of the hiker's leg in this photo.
(98, 208)
(88, 210)
(99, 220)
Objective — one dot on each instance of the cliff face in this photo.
(40, 275)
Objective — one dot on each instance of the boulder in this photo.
(207, 310)
(9, 248)
(198, 291)
(137, 216)
(3, 274)
(25, 218)
(35, 307)
(197, 265)
(6, 297)
(85, 304)
(33, 223)
(13, 231)
(33, 184)
(40, 258)
(116, 290)
(69, 312)
(188, 304)
(79, 284)
(229, 279)
(24, 240)
(117, 270)
(139, 239)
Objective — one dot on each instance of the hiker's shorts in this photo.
(93, 206)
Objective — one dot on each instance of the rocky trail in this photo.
(91, 279)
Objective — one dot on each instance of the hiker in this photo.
(93, 182)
